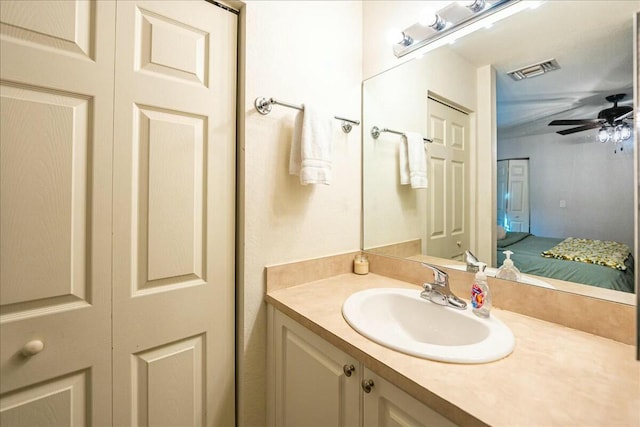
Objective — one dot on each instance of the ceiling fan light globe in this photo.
(625, 132)
(603, 135)
(617, 134)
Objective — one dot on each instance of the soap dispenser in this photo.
(507, 270)
(480, 295)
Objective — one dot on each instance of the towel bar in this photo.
(263, 105)
(376, 131)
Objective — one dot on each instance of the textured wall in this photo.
(300, 52)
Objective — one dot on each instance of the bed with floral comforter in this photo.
(591, 262)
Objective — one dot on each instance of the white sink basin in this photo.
(399, 319)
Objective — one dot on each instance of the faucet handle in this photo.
(473, 263)
(439, 295)
(440, 277)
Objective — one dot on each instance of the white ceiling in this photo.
(593, 44)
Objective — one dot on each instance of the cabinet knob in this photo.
(348, 370)
(32, 347)
(367, 385)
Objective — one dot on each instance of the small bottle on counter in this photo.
(480, 294)
(507, 270)
(361, 264)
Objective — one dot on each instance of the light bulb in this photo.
(474, 5)
(406, 39)
(625, 132)
(617, 134)
(394, 36)
(603, 135)
(429, 18)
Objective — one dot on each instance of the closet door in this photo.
(502, 191)
(56, 72)
(518, 199)
(174, 210)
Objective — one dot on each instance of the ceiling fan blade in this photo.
(626, 115)
(575, 122)
(579, 128)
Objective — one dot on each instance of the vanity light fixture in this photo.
(396, 36)
(433, 20)
(406, 39)
(475, 5)
(452, 16)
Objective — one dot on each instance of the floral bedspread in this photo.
(601, 252)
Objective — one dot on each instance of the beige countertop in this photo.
(556, 376)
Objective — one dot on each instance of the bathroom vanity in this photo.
(319, 370)
(318, 384)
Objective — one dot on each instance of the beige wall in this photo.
(297, 52)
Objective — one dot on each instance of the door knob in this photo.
(348, 370)
(32, 348)
(367, 385)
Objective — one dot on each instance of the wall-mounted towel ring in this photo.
(264, 105)
(376, 131)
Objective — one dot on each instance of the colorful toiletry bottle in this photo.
(507, 270)
(480, 295)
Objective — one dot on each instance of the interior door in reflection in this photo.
(513, 194)
(448, 197)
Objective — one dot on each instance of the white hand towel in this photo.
(311, 146)
(413, 161)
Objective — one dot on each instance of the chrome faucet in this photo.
(439, 291)
(473, 263)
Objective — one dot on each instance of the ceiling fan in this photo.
(611, 122)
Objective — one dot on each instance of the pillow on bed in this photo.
(502, 233)
(512, 237)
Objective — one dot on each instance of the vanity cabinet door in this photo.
(387, 405)
(315, 384)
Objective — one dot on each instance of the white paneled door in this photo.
(117, 213)
(448, 169)
(174, 211)
(513, 194)
(56, 70)
(502, 175)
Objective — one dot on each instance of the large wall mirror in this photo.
(500, 177)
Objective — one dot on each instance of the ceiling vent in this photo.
(534, 70)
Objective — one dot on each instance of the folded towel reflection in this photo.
(311, 146)
(413, 161)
